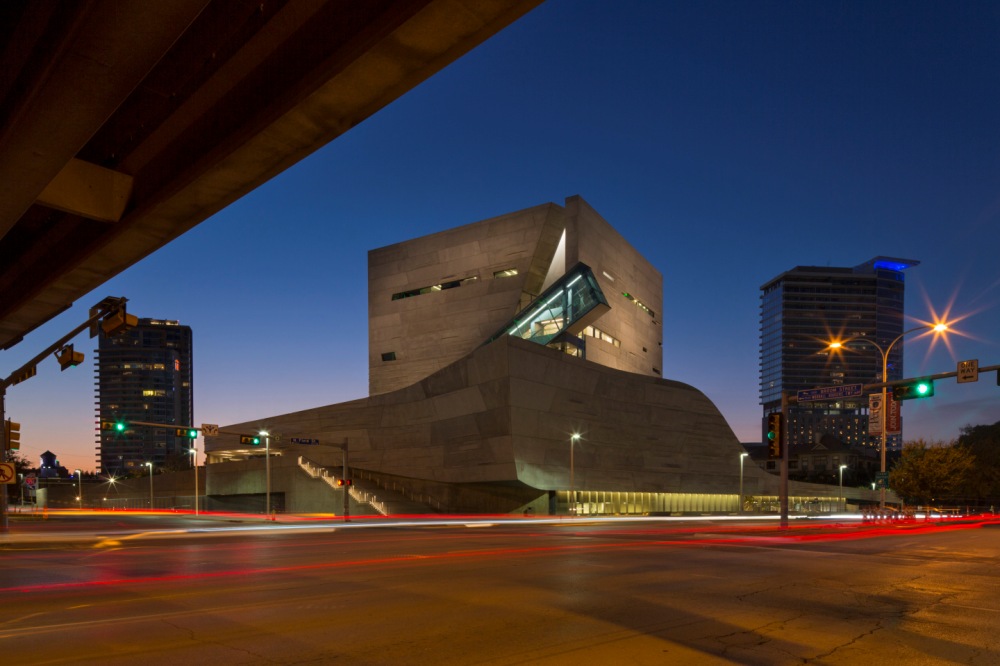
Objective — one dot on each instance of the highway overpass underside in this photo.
(124, 124)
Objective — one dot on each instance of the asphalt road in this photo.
(525, 593)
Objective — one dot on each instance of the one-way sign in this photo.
(830, 393)
(968, 371)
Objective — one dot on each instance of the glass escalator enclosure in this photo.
(561, 312)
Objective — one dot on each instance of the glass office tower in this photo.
(144, 374)
(801, 311)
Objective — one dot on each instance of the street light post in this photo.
(572, 488)
(937, 328)
(267, 471)
(194, 463)
(150, 466)
(841, 498)
(79, 486)
(740, 499)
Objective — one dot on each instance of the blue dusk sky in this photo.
(728, 141)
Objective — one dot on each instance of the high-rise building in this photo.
(801, 312)
(144, 374)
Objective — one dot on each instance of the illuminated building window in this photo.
(437, 287)
(639, 304)
(595, 332)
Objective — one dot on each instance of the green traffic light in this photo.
(192, 434)
(923, 388)
(120, 427)
(771, 435)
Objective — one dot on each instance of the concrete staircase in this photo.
(366, 489)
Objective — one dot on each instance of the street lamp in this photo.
(194, 463)
(572, 492)
(79, 485)
(267, 471)
(937, 328)
(150, 466)
(842, 468)
(742, 456)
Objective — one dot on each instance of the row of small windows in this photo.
(433, 288)
(595, 332)
(639, 304)
(506, 272)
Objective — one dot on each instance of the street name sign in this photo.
(300, 440)
(830, 393)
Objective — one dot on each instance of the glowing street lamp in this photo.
(150, 466)
(194, 463)
(938, 328)
(79, 485)
(572, 492)
(267, 471)
(842, 468)
(742, 457)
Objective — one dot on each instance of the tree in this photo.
(926, 472)
(983, 442)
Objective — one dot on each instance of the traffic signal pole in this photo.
(784, 460)
(100, 311)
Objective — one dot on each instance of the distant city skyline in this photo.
(728, 141)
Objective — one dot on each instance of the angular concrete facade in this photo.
(458, 425)
(434, 299)
(499, 422)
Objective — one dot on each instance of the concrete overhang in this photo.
(124, 124)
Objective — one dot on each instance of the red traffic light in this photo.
(344, 482)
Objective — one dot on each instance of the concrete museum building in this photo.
(514, 367)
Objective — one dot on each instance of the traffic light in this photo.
(775, 422)
(68, 358)
(252, 440)
(12, 434)
(117, 426)
(118, 321)
(344, 482)
(190, 433)
(923, 388)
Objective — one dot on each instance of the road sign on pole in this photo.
(968, 371)
(830, 393)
